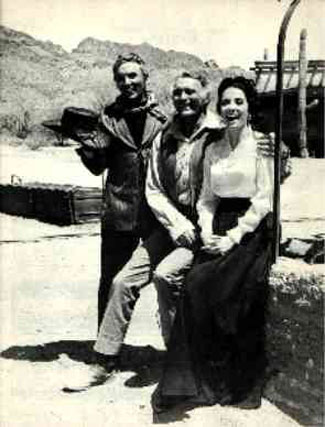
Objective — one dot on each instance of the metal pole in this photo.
(278, 130)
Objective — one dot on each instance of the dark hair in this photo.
(195, 74)
(247, 86)
(129, 57)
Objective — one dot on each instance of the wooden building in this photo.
(265, 72)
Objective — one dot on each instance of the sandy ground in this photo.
(302, 204)
(49, 277)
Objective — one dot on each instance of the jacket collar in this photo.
(114, 121)
(210, 121)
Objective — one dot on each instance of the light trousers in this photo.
(158, 253)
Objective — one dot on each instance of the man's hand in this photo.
(87, 140)
(215, 244)
(286, 164)
(266, 144)
(187, 239)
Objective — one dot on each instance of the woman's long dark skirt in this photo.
(216, 350)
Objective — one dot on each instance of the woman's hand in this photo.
(215, 244)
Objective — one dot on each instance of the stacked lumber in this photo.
(53, 203)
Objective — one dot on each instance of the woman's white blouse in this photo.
(243, 173)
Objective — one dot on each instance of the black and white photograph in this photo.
(162, 213)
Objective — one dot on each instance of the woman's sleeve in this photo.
(207, 201)
(261, 202)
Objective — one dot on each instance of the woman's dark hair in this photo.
(247, 86)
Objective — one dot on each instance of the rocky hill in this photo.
(155, 57)
(40, 78)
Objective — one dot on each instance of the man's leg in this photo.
(116, 250)
(125, 290)
(168, 278)
(123, 295)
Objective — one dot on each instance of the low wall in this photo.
(295, 340)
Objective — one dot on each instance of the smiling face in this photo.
(189, 97)
(130, 81)
(234, 108)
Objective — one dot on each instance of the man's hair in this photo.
(129, 57)
(199, 75)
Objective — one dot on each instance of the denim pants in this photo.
(157, 250)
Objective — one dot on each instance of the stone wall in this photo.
(295, 339)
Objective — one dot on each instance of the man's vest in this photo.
(167, 166)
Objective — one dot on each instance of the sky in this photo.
(232, 32)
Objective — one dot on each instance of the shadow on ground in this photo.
(80, 351)
(144, 361)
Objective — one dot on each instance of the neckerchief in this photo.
(148, 104)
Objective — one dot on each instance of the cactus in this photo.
(302, 95)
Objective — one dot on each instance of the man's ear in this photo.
(206, 95)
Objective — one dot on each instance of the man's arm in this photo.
(94, 149)
(95, 161)
(162, 206)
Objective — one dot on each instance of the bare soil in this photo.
(49, 278)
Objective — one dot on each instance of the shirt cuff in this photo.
(235, 234)
(177, 231)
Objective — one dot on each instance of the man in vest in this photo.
(174, 180)
(192, 127)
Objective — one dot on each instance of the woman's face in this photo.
(234, 108)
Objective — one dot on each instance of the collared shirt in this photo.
(183, 156)
(241, 172)
(164, 208)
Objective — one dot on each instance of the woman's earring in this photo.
(249, 118)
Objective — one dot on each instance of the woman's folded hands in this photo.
(214, 244)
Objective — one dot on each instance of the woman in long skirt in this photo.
(216, 350)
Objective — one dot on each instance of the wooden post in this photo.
(302, 123)
(278, 130)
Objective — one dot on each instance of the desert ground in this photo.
(49, 279)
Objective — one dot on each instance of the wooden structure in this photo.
(265, 72)
(53, 203)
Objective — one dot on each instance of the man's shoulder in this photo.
(170, 130)
(111, 110)
(114, 110)
(159, 114)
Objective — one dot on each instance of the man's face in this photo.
(189, 97)
(130, 80)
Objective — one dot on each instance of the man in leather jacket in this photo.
(121, 146)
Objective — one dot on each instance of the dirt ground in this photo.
(49, 278)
